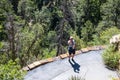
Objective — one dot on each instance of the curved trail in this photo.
(87, 65)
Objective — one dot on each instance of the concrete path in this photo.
(86, 65)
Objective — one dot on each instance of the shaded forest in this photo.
(31, 30)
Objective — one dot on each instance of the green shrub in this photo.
(103, 35)
(96, 40)
(108, 33)
(111, 58)
(48, 54)
(76, 78)
(3, 58)
(1, 45)
(79, 42)
(86, 32)
(11, 71)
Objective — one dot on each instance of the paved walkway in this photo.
(87, 65)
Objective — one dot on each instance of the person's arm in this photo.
(68, 42)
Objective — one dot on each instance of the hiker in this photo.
(71, 47)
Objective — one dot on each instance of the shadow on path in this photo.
(74, 65)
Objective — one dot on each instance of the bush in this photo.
(1, 45)
(103, 35)
(96, 40)
(48, 54)
(11, 71)
(111, 58)
(108, 33)
(87, 32)
(79, 42)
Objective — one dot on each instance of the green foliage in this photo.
(108, 33)
(1, 45)
(110, 11)
(79, 42)
(26, 9)
(103, 34)
(96, 40)
(49, 40)
(58, 12)
(111, 58)
(48, 54)
(76, 78)
(100, 27)
(1, 28)
(96, 37)
(90, 22)
(2, 32)
(3, 56)
(11, 71)
(5, 8)
(87, 32)
(48, 45)
(29, 42)
(43, 17)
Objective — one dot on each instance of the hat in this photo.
(71, 37)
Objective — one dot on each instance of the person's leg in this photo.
(69, 55)
(73, 53)
(70, 52)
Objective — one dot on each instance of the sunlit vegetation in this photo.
(32, 30)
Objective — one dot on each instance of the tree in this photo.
(11, 31)
(66, 20)
(5, 8)
(26, 9)
(22, 41)
(43, 17)
(15, 5)
(87, 32)
(111, 13)
(29, 42)
(87, 10)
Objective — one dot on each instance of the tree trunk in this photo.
(11, 36)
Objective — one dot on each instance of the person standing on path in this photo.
(71, 47)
